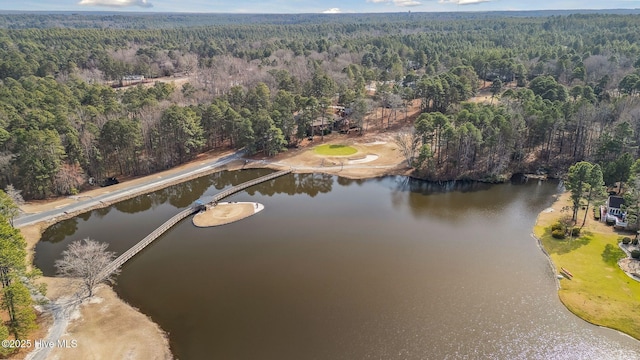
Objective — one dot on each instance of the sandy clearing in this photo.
(226, 213)
(374, 143)
(108, 328)
(366, 159)
(389, 160)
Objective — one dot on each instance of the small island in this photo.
(226, 213)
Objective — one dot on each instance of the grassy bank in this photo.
(599, 292)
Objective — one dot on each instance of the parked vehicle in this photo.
(109, 181)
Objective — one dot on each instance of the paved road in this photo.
(81, 204)
(86, 203)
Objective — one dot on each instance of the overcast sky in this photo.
(310, 6)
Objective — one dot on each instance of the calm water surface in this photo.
(333, 268)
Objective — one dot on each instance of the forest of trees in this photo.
(564, 99)
(564, 88)
(18, 288)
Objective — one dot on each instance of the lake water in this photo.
(388, 268)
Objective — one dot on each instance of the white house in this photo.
(615, 215)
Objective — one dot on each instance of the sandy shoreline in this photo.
(110, 317)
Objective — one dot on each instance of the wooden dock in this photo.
(122, 259)
(247, 184)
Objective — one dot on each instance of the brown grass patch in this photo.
(108, 328)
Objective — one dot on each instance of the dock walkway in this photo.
(247, 184)
(122, 259)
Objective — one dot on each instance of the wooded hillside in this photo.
(562, 89)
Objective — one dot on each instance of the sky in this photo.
(310, 6)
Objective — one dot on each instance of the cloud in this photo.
(401, 3)
(117, 3)
(405, 3)
(462, 2)
(332, 11)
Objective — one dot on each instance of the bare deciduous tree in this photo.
(14, 194)
(86, 259)
(10, 202)
(126, 55)
(91, 75)
(69, 179)
(8, 208)
(408, 142)
(188, 63)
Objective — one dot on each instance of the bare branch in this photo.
(85, 259)
(408, 142)
(14, 194)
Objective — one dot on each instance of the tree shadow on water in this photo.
(58, 232)
(612, 254)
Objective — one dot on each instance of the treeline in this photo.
(116, 20)
(571, 93)
(545, 127)
(444, 41)
(18, 289)
(57, 135)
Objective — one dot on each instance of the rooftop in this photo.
(615, 202)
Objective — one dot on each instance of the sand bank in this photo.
(226, 213)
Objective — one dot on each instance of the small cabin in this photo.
(328, 122)
(133, 78)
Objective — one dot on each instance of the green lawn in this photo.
(335, 150)
(600, 292)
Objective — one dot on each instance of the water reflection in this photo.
(387, 268)
(346, 182)
(85, 216)
(428, 187)
(137, 204)
(309, 184)
(100, 213)
(62, 230)
(454, 200)
(187, 193)
(179, 196)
